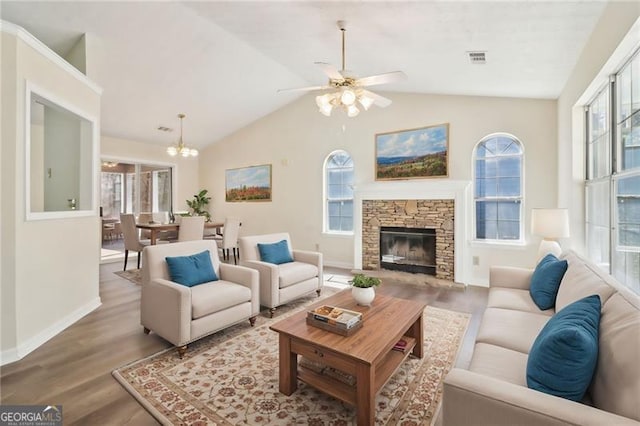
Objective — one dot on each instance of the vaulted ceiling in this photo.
(221, 63)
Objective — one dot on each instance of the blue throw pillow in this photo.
(563, 357)
(275, 253)
(545, 281)
(191, 270)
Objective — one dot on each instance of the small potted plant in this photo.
(362, 289)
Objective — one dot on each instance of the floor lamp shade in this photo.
(550, 224)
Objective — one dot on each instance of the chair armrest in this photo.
(472, 398)
(247, 277)
(165, 308)
(510, 277)
(269, 281)
(312, 257)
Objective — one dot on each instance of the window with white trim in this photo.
(338, 193)
(498, 175)
(613, 175)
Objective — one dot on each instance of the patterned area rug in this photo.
(133, 275)
(231, 378)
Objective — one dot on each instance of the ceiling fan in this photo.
(346, 90)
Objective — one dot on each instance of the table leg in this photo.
(417, 332)
(365, 395)
(288, 366)
(153, 237)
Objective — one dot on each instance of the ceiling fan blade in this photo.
(304, 89)
(378, 100)
(331, 71)
(389, 77)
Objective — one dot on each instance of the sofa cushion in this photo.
(276, 253)
(582, 279)
(191, 270)
(217, 296)
(513, 298)
(499, 363)
(564, 356)
(545, 281)
(616, 383)
(295, 272)
(515, 330)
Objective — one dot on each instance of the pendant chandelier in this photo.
(181, 148)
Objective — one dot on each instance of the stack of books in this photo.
(400, 346)
(336, 319)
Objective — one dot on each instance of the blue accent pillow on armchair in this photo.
(191, 270)
(276, 253)
(563, 357)
(545, 281)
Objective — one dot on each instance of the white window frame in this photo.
(615, 171)
(325, 196)
(521, 241)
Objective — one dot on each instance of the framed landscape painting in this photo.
(413, 154)
(248, 184)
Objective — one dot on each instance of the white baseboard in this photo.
(479, 282)
(336, 264)
(14, 354)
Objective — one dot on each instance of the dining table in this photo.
(155, 227)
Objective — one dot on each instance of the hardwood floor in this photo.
(74, 368)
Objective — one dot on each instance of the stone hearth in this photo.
(437, 214)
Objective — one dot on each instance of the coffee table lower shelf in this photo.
(342, 391)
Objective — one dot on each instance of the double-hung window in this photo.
(613, 175)
(498, 174)
(338, 200)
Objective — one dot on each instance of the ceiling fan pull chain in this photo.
(343, 60)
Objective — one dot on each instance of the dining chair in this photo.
(145, 218)
(191, 228)
(229, 239)
(131, 237)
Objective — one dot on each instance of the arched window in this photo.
(498, 183)
(338, 193)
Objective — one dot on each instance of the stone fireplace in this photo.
(439, 204)
(395, 235)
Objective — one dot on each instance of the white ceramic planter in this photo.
(363, 296)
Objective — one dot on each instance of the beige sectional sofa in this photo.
(493, 391)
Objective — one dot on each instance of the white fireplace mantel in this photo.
(435, 189)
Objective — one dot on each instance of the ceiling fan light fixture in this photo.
(352, 111)
(323, 100)
(347, 97)
(326, 110)
(345, 90)
(365, 101)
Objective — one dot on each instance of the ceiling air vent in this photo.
(165, 129)
(477, 57)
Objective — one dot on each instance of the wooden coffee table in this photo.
(366, 354)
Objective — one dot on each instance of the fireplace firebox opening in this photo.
(408, 249)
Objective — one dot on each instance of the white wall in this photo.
(590, 73)
(49, 268)
(297, 139)
(37, 167)
(185, 169)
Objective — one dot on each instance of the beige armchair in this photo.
(282, 283)
(183, 314)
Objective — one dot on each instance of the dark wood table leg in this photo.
(417, 332)
(153, 237)
(288, 366)
(365, 395)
